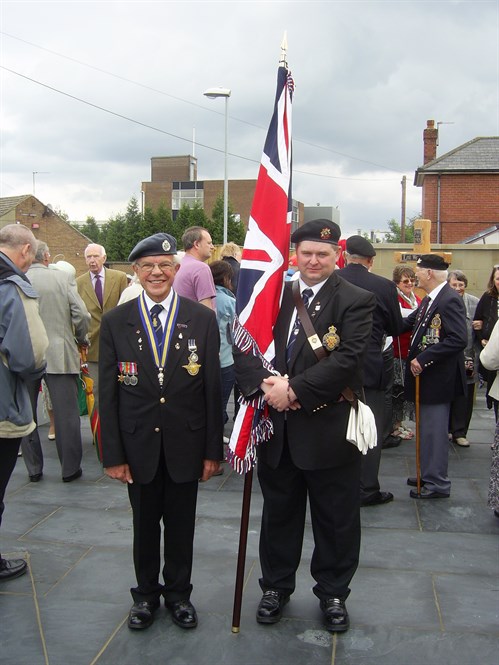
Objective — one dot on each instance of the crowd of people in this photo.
(161, 355)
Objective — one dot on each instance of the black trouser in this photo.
(335, 511)
(8, 458)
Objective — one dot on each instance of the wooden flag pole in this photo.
(241, 556)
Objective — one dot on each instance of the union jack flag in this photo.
(263, 268)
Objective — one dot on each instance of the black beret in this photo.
(318, 230)
(432, 261)
(360, 246)
(156, 245)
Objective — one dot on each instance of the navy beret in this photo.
(432, 261)
(156, 245)
(318, 230)
(360, 246)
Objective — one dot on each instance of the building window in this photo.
(187, 193)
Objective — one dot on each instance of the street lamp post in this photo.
(213, 93)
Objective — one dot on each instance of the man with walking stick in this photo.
(308, 454)
(435, 356)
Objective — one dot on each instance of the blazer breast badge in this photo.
(331, 339)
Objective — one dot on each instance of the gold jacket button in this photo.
(162, 400)
(156, 429)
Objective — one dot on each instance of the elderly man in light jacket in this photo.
(23, 342)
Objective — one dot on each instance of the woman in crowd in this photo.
(405, 280)
(461, 408)
(226, 311)
(231, 253)
(486, 316)
(489, 358)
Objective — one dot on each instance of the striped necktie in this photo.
(156, 324)
(307, 296)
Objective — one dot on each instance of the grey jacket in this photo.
(23, 342)
(64, 315)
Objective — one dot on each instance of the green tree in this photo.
(91, 230)
(395, 233)
(117, 249)
(235, 228)
(132, 221)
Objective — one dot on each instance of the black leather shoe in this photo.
(391, 442)
(377, 499)
(10, 568)
(428, 494)
(142, 614)
(413, 482)
(335, 615)
(270, 607)
(35, 477)
(74, 476)
(183, 613)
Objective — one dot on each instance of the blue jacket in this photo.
(226, 311)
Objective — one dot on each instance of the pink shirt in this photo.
(194, 280)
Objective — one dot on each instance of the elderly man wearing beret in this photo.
(308, 454)
(161, 424)
(439, 337)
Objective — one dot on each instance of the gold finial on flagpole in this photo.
(284, 49)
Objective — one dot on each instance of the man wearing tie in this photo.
(161, 424)
(308, 454)
(438, 340)
(100, 289)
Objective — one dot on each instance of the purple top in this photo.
(194, 280)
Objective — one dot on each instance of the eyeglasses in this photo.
(149, 267)
(408, 281)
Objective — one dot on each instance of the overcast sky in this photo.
(368, 76)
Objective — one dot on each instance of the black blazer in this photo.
(387, 319)
(184, 416)
(316, 432)
(443, 377)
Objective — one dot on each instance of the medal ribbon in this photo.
(167, 332)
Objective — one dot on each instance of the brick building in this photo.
(461, 188)
(174, 183)
(65, 242)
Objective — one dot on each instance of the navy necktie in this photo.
(156, 324)
(98, 289)
(307, 296)
(420, 316)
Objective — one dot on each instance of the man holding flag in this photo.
(307, 453)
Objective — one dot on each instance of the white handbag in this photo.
(361, 428)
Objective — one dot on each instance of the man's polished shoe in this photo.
(428, 494)
(36, 477)
(141, 615)
(377, 499)
(391, 441)
(183, 613)
(462, 441)
(73, 476)
(335, 615)
(10, 568)
(270, 607)
(413, 482)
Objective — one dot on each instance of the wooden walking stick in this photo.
(418, 439)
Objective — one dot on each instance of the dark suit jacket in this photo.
(184, 416)
(114, 283)
(387, 319)
(443, 376)
(316, 432)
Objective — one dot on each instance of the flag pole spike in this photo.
(284, 49)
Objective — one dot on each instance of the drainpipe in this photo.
(438, 209)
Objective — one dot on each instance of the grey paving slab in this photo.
(425, 590)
